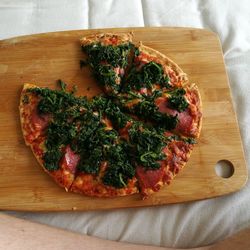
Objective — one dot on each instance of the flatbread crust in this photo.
(195, 99)
(91, 185)
(107, 38)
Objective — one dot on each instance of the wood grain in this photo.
(44, 58)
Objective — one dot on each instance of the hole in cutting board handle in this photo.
(224, 168)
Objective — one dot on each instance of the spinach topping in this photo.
(67, 110)
(148, 144)
(147, 110)
(188, 140)
(177, 100)
(51, 159)
(59, 134)
(116, 56)
(112, 111)
(151, 73)
(91, 164)
(106, 75)
(120, 168)
(57, 101)
(104, 59)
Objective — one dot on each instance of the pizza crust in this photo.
(198, 119)
(25, 111)
(106, 38)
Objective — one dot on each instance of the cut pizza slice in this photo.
(151, 70)
(105, 169)
(60, 165)
(185, 105)
(178, 109)
(158, 155)
(175, 153)
(56, 158)
(108, 55)
(78, 142)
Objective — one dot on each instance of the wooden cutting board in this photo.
(44, 58)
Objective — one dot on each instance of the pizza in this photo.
(133, 138)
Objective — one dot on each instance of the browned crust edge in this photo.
(194, 88)
(122, 38)
(21, 108)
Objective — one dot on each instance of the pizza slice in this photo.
(78, 142)
(108, 55)
(151, 70)
(106, 168)
(158, 155)
(37, 121)
(176, 109)
(176, 154)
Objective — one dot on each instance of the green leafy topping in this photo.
(51, 159)
(57, 101)
(148, 144)
(60, 134)
(146, 109)
(151, 73)
(177, 100)
(112, 111)
(106, 75)
(190, 140)
(120, 169)
(62, 84)
(91, 164)
(136, 52)
(104, 59)
(113, 55)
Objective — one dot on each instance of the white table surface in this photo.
(181, 225)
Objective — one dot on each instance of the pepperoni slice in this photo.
(70, 160)
(149, 179)
(162, 104)
(185, 122)
(185, 118)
